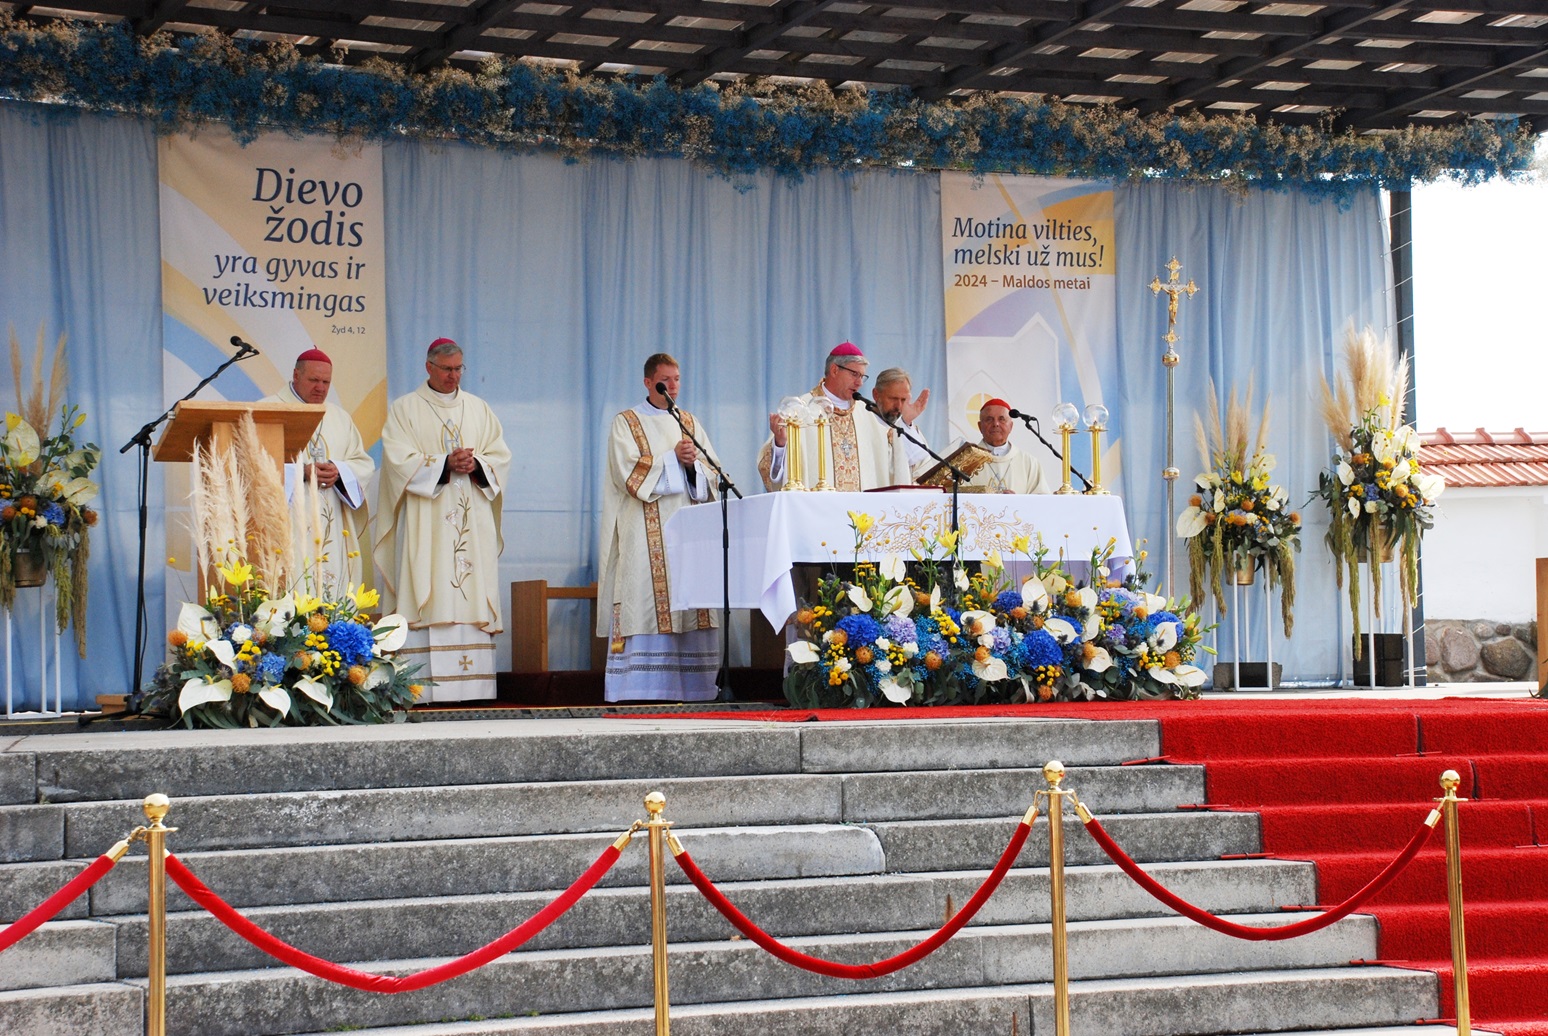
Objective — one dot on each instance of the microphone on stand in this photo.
(247, 348)
(662, 392)
(1036, 428)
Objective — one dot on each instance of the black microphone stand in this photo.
(142, 439)
(725, 487)
(1032, 426)
(956, 476)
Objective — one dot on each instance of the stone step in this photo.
(130, 765)
(63, 953)
(102, 1009)
(495, 810)
(454, 925)
(466, 866)
(280, 1000)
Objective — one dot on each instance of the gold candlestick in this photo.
(824, 448)
(1096, 422)
(792, 410)
(1064, 419)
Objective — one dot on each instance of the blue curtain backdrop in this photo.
(560, 278)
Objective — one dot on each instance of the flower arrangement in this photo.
(45, 525)
(182, 81)
(263, 649)
(249, 659)
(882, 639)
(1236, 521)
(1379, 499)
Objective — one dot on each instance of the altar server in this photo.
(438, 542)
(865, 453)
(653, 469)
(1011, 470)
(337, 456)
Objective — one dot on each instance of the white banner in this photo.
(1030, 312)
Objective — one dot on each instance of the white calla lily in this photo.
(223, 651)
(899, 601)
(1191, 522)
(199, 691)
(380, 675)
(1354, 507)
(78, 491)
(1101, 660)
(1165, 637)
(892, 568)
(1061, 630)
(1345, 473)
(1034, 595)
(1429, 486)
(960, 578)
(275, 614)
(391, 631)
(991, 671)
(315, 690)
(895, 692)
(1161, 674)
(196, 623)
(935, 598)
(1400, 471)
(1053, 582)
(21, 442)
(1153, 602)
(1086, 597)
(977, 622)
(1189, 675)
(278, 699)
(861, 599)
(802, 652)
(1093, 626)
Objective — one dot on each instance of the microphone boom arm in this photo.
(1031, 423)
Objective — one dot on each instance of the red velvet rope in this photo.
(1288, 931)
(24, 926)
(369, 981)
(834, 969)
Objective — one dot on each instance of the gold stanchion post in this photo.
(156, 807)
(1053, 773)
(1449, 782)
(655, 804)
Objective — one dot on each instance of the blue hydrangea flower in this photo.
(271, 668)
(901, 631)
(1159, 617)
(1002, 640)
(351, 640)
(860, 629)
(1007, 600)
(1039, 648)
(54, 514)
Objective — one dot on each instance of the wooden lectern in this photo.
(284, 429)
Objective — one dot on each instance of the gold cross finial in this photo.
(1173, 290)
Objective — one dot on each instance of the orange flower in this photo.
(1044, 692)
(863, 654)
(840, 638)
(981, 655)
(921, 598)
(177, 638)
(357, 675)
(303, 660)
(1195, 501)
(317, 622)
(1246, 505)
(1171, 660)
(28, 503)
(88, 516)
(1295, 517)
(7, 513)
(1018, 612)
(805, 616)
(1037, 622)
(932, 661)
(1209, 518)
(416, 690)
(240, 683)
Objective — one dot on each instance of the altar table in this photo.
(772, 531)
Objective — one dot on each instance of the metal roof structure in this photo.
(1480, 458)
(1362, 64)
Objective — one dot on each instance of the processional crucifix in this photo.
(1169, 360)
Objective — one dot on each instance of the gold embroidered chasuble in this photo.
(1013, 472)
(863, 453)
(633, 593)
(342, 510)
(437, 545)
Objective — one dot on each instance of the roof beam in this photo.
(788, 15)
(459, 37)
(1453, 83)
(161, 12)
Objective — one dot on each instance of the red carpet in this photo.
(1344, 784)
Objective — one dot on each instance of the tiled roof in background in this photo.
(1480, 458)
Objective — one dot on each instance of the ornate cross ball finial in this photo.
(1173, 290)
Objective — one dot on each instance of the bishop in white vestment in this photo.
(653, 470)
(438, 542)
(864, 452)
(337, 456)
(1011, 470)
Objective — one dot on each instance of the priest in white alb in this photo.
(1009, 470)
(438, 542)
(863, 452)
(653, 469)
(337, 457)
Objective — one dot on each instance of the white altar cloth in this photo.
(772, 531)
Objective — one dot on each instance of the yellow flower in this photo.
(949, 540)
(11, 421)
(862, 521)
(1021, 542)
(364, 599)
(238, 574)
(306, 603)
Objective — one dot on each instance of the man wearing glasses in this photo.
(865, 453)
(444, 463)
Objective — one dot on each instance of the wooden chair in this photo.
(529, 623)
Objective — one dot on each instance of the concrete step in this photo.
(88, 767)
(103, 1009)
(495, 810)
(25, 885)
(272, 1001)
(454, 925)
(466, 866)
(62, 953)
